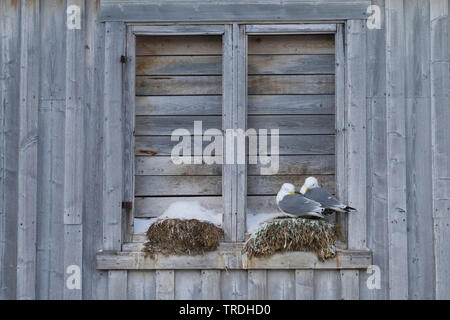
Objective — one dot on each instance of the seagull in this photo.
(296, 204)
(313, 191)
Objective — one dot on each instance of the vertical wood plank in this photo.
(377, 239)
(50, 205)
(9, 144)
(228, 176)
(356, 131)
(281, 284)
(128, 129)
(188, 285)
(210, 284)
(27, 170)
(326, 285)
(349, 284)
(117, 285)
(73, 251)
(95, 282)
(440, 117)
(418, 150)
(341, 153)
(304, 284)
(396, 148)
(241, 123)
(113, 151)
(74, 145)
(165, 285)
(234, 285)
(141, 285)
(257, 285)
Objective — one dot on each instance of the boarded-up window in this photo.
(291, 88)
(178, 81)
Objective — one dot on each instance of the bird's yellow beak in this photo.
(292, 192)
(307, 189)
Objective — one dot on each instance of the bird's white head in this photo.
(286, 188)
(310, 183)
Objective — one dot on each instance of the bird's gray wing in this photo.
(299, 205)
(327, 200)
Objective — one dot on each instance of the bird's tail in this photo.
(349, 209)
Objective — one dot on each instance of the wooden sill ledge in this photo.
(230, 256)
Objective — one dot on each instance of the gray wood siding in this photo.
(407, 146)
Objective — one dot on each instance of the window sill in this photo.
(228, 256)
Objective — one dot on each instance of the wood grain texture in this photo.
(234, 285)
(281, 285)
(178, 105)
(291, 44)
(396, 150)
(326, 285)
(165, 285)
(172, 45)
(440, 97)
(28, 149)
(9, 144)
(349, 284)
(50, 253)
(356, 135)
(418, 152)
(290, 64)
(377, 212)
(178, 65)
(289, 145)
(113, 152)
(117, 285)
(257, 285)
(291, 84)
(188, 285)
(141, 285)
(231, 11)
(210, 281)
(304, 284)
(95, 282)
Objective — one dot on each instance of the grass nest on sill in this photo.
(294, 234)
(181, 237)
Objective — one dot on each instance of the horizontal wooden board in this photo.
(178, 85)
(230, 10)
(288, 165)
(287, 124)
(295, 165)
(178, 65)
(290, 64)
(212, 185)
(230, 256)
(270, 185)
(289, 145)
(152, 207)
(164, 166)
(212, 85)
(291, 84)
(291, 104)
(257, 104)
(178, 105)
(178, 186)
(295, 124)
(178, 45)
(291, 44)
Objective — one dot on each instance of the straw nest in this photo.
(181, 237)
(294, 234)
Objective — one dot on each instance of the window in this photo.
(235, 76)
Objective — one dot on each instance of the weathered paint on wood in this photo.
(169, 11)
(257, 285)
(210, 281)
(440, 115)
(304, 284)
(28, 149)
(396, 151)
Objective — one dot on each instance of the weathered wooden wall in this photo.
(51, 141)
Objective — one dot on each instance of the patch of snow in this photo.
(141, 225)
(186, 210)
(255, 219)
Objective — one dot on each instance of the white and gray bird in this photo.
(313, 191)
(296, 204)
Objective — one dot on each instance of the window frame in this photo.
(119, 124)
